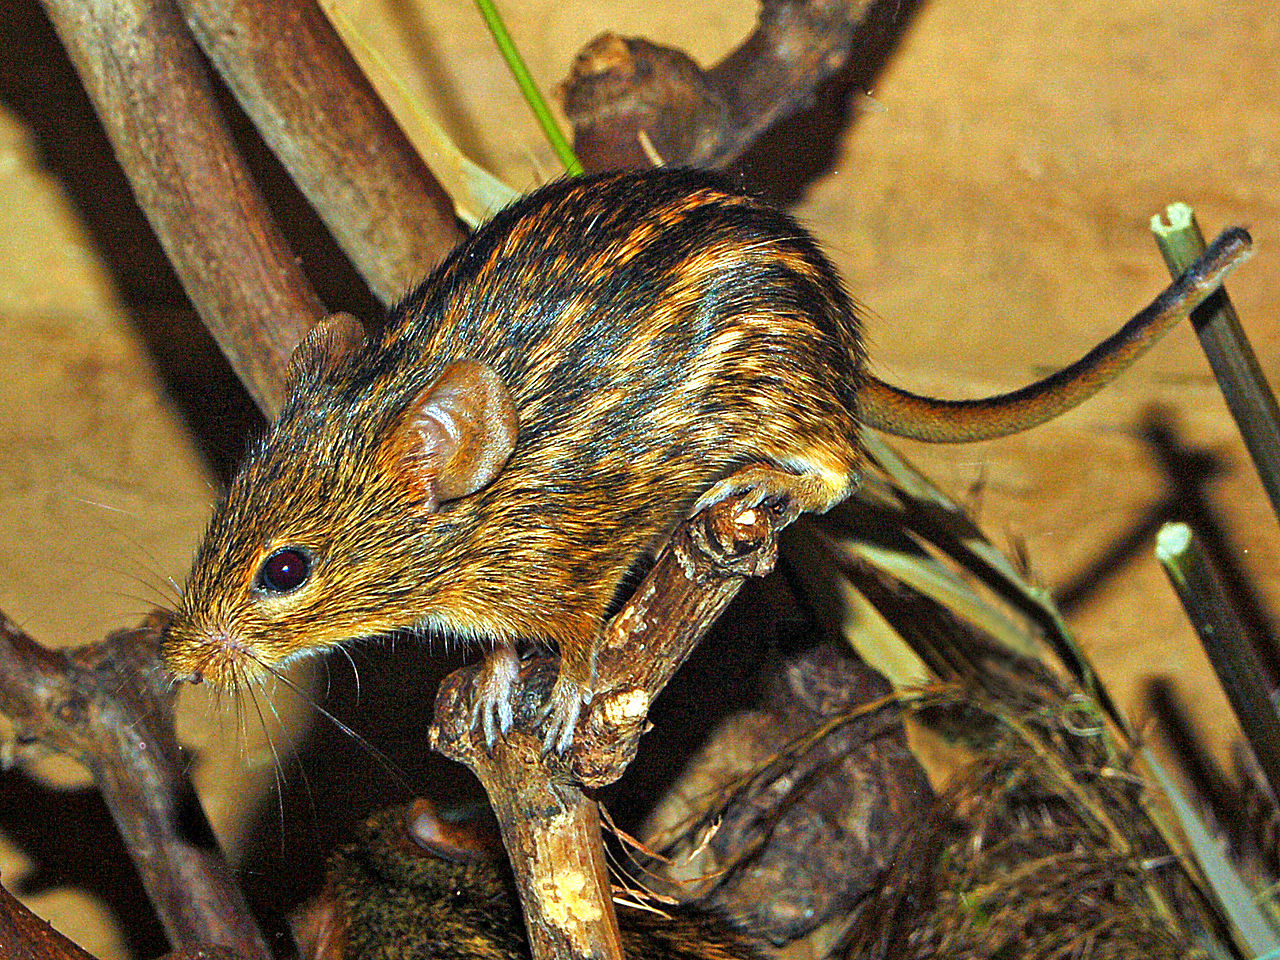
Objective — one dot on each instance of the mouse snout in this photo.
(196, 652)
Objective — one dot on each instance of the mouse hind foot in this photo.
(808, 489)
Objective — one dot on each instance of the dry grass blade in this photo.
(932, 578)
(1254, 929)
(916, 495)
(1012, 612)
(1036, 850)
(867, 631)
(476, 193)
(1047, 843)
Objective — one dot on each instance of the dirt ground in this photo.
(986, 199)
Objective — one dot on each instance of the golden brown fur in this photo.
(656, 331)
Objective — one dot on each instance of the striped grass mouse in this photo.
(603, 358)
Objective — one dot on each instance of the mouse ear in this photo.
(459, 432)
(324, 347)
(473, 839)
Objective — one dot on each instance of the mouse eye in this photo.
(285, 570)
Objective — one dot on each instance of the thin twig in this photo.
(528, 87)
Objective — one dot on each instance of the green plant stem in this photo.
(1236, 663)
(532, 95)
(1239, 376)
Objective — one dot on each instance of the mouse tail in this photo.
(893, 410)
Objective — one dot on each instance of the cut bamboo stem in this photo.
(1239, 669)
(1248, 396)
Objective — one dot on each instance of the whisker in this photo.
(355, 671)
(383, 760)
(152, 567)
(242, 728)
(277, 769)
(111, 508)
(152, 583)
(302, 770)
(148, 603)
(328, 678)
(149, 581)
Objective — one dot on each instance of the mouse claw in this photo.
(562, 712)
(494, 718)
(808, 488)
(493, 712)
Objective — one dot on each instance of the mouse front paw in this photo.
(493, 711)
(563, 709)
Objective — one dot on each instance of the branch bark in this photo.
(621, 88)
(109, 706)
(549, 825)
(148, 84)
(309, 101)
(24, 936)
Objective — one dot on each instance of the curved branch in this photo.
(109, 706)
(148, 84)
(309, 101)
(622, 88)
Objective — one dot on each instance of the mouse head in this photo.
(307, 548)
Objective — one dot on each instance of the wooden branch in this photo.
(549, 826)
(109, 706)
(148, 84)
(620, 88)
(24, 936)
(552, 830)
(309, 101)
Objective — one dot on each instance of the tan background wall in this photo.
(987, 201)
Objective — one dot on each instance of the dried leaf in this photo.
(476, 193)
